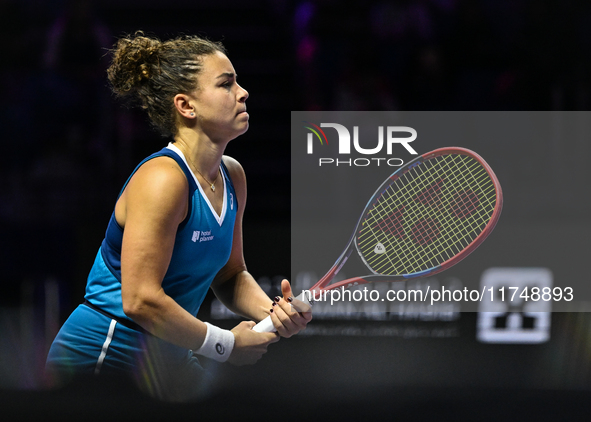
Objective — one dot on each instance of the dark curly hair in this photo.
(154, 71)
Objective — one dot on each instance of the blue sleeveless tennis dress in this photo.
(99, 338)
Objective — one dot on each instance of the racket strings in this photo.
(455, 228)
(451, 202)
(476, 179)
(472, 229)
(393, 223)
(422, 233)
(407, 179)
(426, 225)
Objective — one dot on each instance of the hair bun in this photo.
(135, 59)
(151, 73)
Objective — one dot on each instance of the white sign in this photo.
(518, 308)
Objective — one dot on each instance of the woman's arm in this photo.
(150, 209)
(235, 287)
(152, 206)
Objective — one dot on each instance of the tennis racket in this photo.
(426, 217)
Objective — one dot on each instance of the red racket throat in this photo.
(426, 217)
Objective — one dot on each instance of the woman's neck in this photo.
(204, 154)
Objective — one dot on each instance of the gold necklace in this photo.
(211, 184)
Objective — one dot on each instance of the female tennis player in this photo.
(175, 232)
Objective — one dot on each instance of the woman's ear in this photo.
(182, 103)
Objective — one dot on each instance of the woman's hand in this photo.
(249, 346)
(289, 315)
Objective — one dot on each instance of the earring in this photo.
(192, 114)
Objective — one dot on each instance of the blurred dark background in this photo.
(68, 146)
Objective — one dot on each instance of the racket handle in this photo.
(266, 325)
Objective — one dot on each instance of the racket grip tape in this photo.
(266, 325)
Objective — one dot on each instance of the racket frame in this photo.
(324, 283)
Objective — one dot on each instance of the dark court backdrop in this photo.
(68, 146)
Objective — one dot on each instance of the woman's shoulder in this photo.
(157, 188)
(236, 173)
(234, 168)
(160, 174)
(162, 166)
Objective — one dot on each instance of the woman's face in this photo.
(219, 102)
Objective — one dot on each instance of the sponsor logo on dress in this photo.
(202, 236)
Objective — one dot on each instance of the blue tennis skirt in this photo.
(90, 342)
